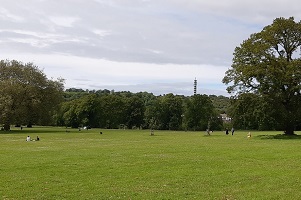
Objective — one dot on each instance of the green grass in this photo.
(131, 164)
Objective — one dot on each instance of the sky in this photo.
(156, 46)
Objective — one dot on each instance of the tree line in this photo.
(109, 109)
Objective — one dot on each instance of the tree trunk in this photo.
(6, 127)
(289, 130)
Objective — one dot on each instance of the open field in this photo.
(131, 164)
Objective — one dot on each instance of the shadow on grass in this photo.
(205, 135)
(280, 137)
(38, 130)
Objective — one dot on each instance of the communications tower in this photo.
(195, 86)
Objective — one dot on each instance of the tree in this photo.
(88, 111)
(152, 113)
(165, 112)
(27, 96)
(134, 112)
(220, 103)
(200, 113)
(268, 64)
(172, 105)
(67, 114)
(113, 111)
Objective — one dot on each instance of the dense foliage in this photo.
(109, 109)
(27, 96)
(250, 111)
(220, 103)
(266, 77)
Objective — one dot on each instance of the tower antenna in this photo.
(195, 86)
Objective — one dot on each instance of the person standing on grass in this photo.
(227, 131)
(232, 130)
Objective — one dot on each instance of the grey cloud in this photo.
(256, 12)
(133, 27)
(171, 31)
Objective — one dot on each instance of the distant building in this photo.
(225, 118)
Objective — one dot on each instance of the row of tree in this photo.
(109, 109)
(105, 109)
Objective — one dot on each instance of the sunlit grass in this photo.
(131, 164)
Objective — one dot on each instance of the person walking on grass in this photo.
(232, 131)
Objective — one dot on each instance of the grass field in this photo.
(131, 164)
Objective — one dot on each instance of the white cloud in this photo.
(102, 33)
(65, 21)
(6, 14)
(97, 74)
(147, 44)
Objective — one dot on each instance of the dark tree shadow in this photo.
(280, 137)
(38, 130)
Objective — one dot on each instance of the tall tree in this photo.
(67, 114)
(88, 110)
(113, 111)
(200, 113)
(172, 106)
(268, 64)
(134, 112)
(27, 96)
(165, 112)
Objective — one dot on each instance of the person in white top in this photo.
(28, 139)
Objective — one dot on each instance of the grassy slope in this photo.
(134, 165)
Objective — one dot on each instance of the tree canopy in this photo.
(27, 96)
(138, 110)
(268, 65)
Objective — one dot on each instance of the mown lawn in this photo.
(131, 164)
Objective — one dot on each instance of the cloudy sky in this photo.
(158, 46)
